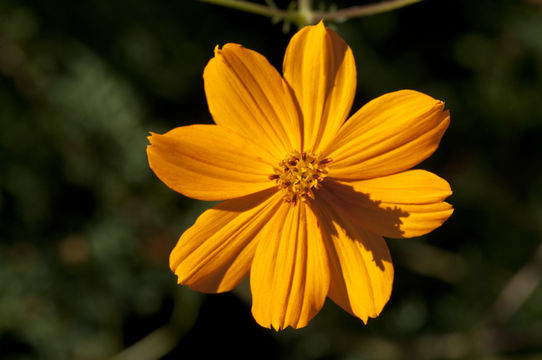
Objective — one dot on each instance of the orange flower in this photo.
(308, 195)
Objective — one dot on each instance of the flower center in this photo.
(299, 174)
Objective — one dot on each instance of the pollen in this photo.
(299, 175)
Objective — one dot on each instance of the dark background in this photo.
(86, 228)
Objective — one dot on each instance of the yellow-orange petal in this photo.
(360, 265)
(209, 162)
(403, 205)
(320, 68)
(246, 94)
(289, 277)
(392, 133)
(215, 254)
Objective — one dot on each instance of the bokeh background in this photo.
(86, 228)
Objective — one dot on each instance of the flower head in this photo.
(308, 195)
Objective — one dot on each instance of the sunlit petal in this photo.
(392, 133)
(209, 162)
(246, 94)
(289, 278)
(320, 68)
(215, 254)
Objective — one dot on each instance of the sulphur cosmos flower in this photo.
(308, 194)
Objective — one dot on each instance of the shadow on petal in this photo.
(360, 262)
(359, 207)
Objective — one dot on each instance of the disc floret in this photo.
(299, 174)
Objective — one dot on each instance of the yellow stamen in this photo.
(299, 174)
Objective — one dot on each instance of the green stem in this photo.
(251, 8)
(364, 10)
(305, 5)
(305, 11)
(305, 15)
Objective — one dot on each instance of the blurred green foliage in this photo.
(87, 228)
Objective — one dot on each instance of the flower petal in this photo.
(360, 265)
(215, 254)
(209, 162)
(289, 277)
(246, 94)
(403, 205)
(320, 68)
(392, 133)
